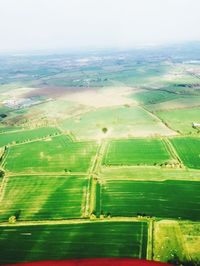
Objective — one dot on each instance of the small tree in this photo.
(104, 129)
(93, 216)
(2, 173)
(12, 219)
(108, 215)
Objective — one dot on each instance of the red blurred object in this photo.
(94, 262)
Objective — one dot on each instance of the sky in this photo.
(94, 24)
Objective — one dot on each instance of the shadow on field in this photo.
(58, 204)
(18, 242)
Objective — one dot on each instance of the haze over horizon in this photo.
(81, 24)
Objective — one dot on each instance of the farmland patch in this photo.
(58, 154)
(43, 197)
(66, 241)
(166, 199)
(181, 120)
(137, 152)
(26, 135)
(124, 121)
(188, 149)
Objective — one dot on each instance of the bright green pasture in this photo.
(70, 241)
(56, 155)
(43, 197)
(154, 96)
(26, 135)
(120, 122)
(189, 150)
(177, 103)
(181, 120)
(136, 152)
(166, 199)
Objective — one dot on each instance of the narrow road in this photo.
(150, 240)
(3, 186)
(93, 176)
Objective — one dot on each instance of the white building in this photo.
(195, 124)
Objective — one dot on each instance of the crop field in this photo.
(166, 199)
(181, 120)
(155, 96)
(26, 135)
(136, 152)
(120, 122)
(191, 235)
(148, 173)
(84, 240)
(58, 154)
(168, 241)
(44, 197)
(188, 102)
(188, 149)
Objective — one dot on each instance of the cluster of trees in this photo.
(2, 173)
(13, 218)
(105, 130)
(102, 215)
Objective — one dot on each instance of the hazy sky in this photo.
(54, 24)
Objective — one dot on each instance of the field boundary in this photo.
(3, 186)
(74, 221)
(150, 240)
(172, 150)
(158, 119)
(91, 186)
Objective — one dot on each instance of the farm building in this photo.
(196, 124)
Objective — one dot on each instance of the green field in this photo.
(176, 104)
(154, 96)
(188, 149)
(86, 240)
(58, 154)
(167, 199)
(99, 156)
(136, 152)
(26, 135)
(148, 173)
(120, 121)
(44, 197)
(181, 120)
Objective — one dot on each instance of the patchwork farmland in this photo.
(70, 200)
(108, 159)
